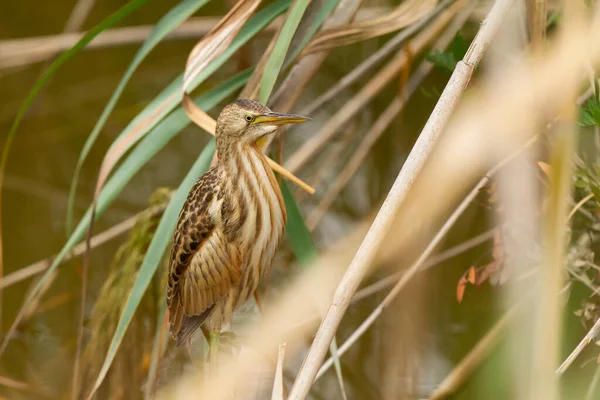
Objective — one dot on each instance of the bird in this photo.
(229, 227)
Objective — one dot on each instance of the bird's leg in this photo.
(188, 347)
(213, 353)
(257, 299)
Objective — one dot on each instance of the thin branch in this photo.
(385, 218)
(278, 387)
(24, 51)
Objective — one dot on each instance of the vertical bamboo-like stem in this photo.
(536, 21)
(423, 147)
(548, 330)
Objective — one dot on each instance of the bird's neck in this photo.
(232, 158)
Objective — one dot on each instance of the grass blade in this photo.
(154, 256)
(333, 349)
(275, 62)
(167, 24)
(152, 143)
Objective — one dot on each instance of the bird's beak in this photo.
(274, 118)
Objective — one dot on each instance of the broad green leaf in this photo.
(280, 49)
(61, 59)
(147, 148)
(447, 60)
(590, 114)
(296, 231)
(168, 23)
(154, 255)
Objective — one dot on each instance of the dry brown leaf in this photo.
(546, 168)
(461, 287)
(405, 14)
(197, 115)
(477, 276)
(217, 40)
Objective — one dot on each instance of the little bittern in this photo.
(229, 227)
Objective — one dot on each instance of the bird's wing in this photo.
(203, 264)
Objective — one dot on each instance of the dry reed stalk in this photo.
(367, 92)
(24, 51)
(278, 387)
(384, 220)
(384, 120)
(78, 15)
(490, 110)
(536, 21)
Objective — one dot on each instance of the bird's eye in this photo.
(249, 118)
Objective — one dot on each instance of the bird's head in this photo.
(248, 121)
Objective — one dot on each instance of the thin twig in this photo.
(443, 256)
(385, 218)
(24, 51)
(78, 15)
(277, 393)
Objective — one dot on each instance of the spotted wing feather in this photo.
(203, 264)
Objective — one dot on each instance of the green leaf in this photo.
(167, 24)
(147, 148)
(590, 114)
(154, 255)
(280, 49)
(447, 60)
(296, 232)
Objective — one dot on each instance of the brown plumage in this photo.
(230, 225)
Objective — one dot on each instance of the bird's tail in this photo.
(190, 324)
